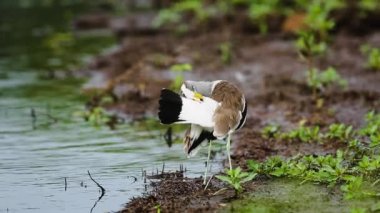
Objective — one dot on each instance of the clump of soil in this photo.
(173, 191)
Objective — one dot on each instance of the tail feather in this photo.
(170, 105)
(176, 109)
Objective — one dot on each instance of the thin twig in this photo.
(101, 187)
(208, 182)
(34, 118)
(65, 183)
(219, 191)
(376, 182)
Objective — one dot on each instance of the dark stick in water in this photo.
(65, 183)
(34, 118)
(101, 187)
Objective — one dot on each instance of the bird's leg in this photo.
(228, 150)
(208, 161)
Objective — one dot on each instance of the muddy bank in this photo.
(174, 192)
(269, 71)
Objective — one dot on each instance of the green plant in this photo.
(373, 54)
(194, 6)
(375, 140)
(158, 208)
(358, 210)
(339, 131)
(321, 79)
(61, 46)
(309, 48)
(259, 10)
(225, 49)
(318, 16)
(354, 169)
(372, 125)
(270, 131)
(375, 207)
(354, 188)
(176, 13)
(368, 164)
(178, 70)
(166, 16)
(313, 42)
(368, 5)
(235, 177)
(308, 45)
(181, 67)
(304, 134)
(254, 166)
(96, 116)
(226, 7)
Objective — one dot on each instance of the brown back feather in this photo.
(227, 116)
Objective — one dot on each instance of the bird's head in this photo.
(191, 94)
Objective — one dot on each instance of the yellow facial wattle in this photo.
(198, 96)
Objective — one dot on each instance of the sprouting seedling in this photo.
(235, 177)
(369, 164)
(304, 134)
(354, 188)
(270, 131)
(318, 16)
(167, 16)
(175, 13)
(322, 79)
(60, 47)
(375, 140)
(96, 116)
(372, 126)
(225, 49)
(259, 11)
(181, 67)
(355, 169)
(308, 45)
(358, 210)
(368, 5)
(179, 70)
(158, 208)
(373, 57)
(313, 42)
(309, 48)
(339, 131)
(331, 76)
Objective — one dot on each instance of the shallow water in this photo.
(42, 142)
(34, 161)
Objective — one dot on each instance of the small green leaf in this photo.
(249, 177)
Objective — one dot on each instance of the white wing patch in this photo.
(198, 112)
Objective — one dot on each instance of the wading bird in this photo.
(215, 109)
